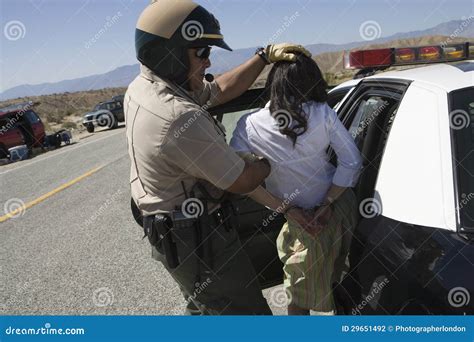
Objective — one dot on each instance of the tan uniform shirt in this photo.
(172, 139)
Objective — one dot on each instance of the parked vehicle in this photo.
(105, 114)
(19, 124)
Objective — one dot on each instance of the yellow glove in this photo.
(283, 52)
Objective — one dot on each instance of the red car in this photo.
(20, 125)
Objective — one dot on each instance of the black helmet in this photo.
(167, 28)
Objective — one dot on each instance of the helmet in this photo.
(166, 29)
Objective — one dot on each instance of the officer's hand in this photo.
(283, 52)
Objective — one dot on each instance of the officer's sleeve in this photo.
(209, 94)
(194, 145)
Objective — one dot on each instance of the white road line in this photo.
(59, 153)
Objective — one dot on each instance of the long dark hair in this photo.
(288, 86)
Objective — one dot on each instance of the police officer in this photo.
(180, 161)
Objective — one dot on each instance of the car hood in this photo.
(96, 113)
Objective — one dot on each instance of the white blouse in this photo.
(301, 174)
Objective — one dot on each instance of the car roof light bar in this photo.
(383, 58)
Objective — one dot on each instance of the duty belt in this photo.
(159, 230)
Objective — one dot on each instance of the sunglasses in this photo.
(203, 52)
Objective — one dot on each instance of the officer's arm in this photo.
(252, 176)
(236, 81)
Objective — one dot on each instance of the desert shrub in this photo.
(69, 125)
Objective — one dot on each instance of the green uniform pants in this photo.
(226, 286)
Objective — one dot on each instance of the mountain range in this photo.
(224, 60)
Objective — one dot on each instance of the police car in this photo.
(413, 248)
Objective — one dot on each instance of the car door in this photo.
(10, 135)
(335, 96)
(119, 111)
(37, 127)
(368, 114)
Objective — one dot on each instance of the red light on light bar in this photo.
(370, 58)
(404, 55)
(429, 53)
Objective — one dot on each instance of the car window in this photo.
(462, 132)
(5, 126)
(366, 113)
(229, 120)
(110, 106)
(368, 116)
(32, 117)
(335, 97)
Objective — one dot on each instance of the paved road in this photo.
(77, 250)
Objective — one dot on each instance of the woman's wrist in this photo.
(328, 201)
(287, 209)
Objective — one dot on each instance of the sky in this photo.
(52, 40)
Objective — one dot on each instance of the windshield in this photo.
(99, 106)
(32, 117)
(462, 132)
